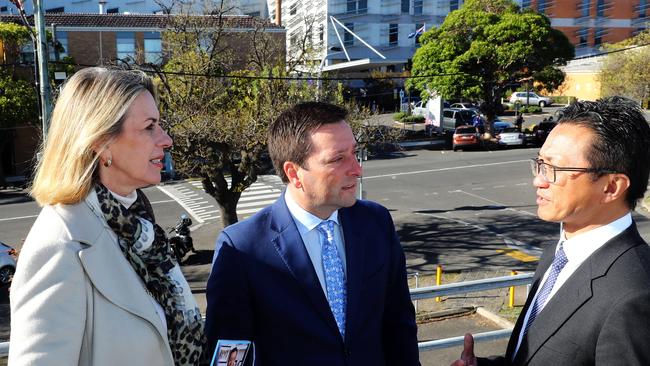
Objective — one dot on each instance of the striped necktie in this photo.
(559, 262)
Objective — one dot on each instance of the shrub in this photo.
(399, 115)
(413, 119)
(530, 109)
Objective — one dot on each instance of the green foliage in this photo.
(530, 109)
(484, 48)
(627, 73)
(17, 101)
(399, 115)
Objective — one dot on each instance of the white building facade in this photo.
(383, 24)
(236, 7)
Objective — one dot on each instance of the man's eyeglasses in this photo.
(549, 172)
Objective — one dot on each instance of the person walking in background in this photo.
(519, 121)
(318, 275)
(96, 283)
(588, 304)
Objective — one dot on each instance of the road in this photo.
(463, 210)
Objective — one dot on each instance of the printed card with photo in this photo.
(233, 353)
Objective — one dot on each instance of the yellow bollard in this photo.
(438, 279)
(511, 301)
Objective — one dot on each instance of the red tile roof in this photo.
(161, 21)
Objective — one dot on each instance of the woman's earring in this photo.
(108, 162)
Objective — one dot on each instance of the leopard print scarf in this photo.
(153, 265)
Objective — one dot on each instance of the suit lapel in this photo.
(104, 263)
(117, 281)
(354, 254)
(290, 247)
(575, 292)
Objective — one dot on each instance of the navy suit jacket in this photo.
(263, 287)
(600, 316)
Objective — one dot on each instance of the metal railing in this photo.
(432, 292)
(465, 287)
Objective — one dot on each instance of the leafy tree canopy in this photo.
(486, 48)
(627, 73)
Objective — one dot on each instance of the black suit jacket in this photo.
(263, 287)
(600, 316)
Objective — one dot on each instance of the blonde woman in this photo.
(96, 283)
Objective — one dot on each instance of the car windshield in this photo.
(510, 130)
(466, 130)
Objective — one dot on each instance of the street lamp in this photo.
(319, 82)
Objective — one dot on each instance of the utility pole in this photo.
(39, 39)
(43, 80)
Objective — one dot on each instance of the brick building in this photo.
(590, 23)
(96, 39)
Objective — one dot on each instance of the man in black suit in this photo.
(590, 299)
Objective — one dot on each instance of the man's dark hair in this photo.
(622, 141)
(289, 135)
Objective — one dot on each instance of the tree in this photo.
(627, 72)
(17, 96)
(217, 105)
(486, 48)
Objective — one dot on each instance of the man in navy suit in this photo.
(590, 299)
(319, 277)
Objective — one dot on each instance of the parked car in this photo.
(465, 136)
(542, 130)
(499, 125)
(420, 109)
(533, 99)
(465, 106)
(7, 263)
(168, 172)
(453, 118)
(510, 136)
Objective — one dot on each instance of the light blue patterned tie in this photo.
(559, 262)
(334, 275)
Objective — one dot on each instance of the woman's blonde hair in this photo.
(89, 113)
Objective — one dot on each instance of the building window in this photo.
(321, 32)
(406, 4)
(600, 8)
(62, 39)
(125, 46)
(60, 9)
(152, 48)
(3, 9)
(348, 38)
(643, 6)
(112, 10)
(598, 36)
(293, 9)
(357, 6)
(541, 6)
(582, 37)
(393, 34)
(453, 5)
(585, 7)
(525, 4)
(417, 7)
(27, 53)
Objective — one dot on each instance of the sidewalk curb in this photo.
(487, 314)
(444, 314)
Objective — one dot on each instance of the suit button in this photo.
(348, 352)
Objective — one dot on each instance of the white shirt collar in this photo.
(305, 221)
(126, 201)
(581, 246)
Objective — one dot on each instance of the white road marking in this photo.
(256, 203)
(18, 218)
(496, 203)
(188, 209)
(163, 201)
(444, 169)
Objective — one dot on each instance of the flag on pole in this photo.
(417, 32)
